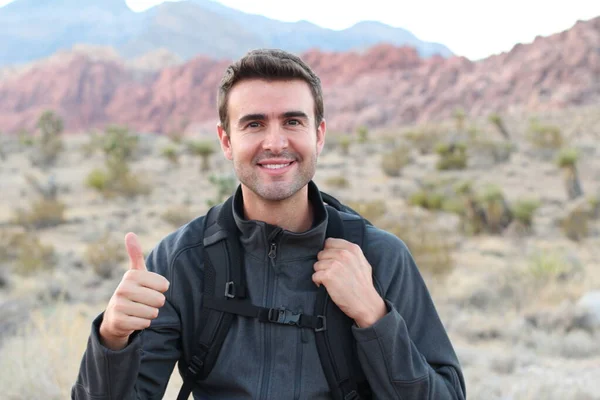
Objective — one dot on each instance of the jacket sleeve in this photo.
(142, 369)
(407, 354)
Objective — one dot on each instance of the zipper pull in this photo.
(273, 251)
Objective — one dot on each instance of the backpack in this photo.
(224, 299)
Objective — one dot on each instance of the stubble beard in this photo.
(273, 190)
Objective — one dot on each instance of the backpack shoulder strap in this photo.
(223, 279)
(335, 344)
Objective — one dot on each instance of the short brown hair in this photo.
(270, 64)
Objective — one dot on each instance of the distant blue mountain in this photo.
(32, 29)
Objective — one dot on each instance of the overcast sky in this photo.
(473, 28)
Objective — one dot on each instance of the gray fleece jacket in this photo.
(405, 355)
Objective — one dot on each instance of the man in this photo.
(272, 128)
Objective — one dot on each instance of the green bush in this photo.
(451, 156)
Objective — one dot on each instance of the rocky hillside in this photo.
(186, 28)
(385, 86)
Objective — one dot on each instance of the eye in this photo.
(294, 122)
(253, 125)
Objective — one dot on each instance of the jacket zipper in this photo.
(267, 359)
(299, 350)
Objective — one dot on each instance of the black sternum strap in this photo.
(273, 315)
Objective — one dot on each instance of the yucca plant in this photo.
(567, 160)
(497, 121)
(203, 149)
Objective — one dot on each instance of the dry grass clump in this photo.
(42, 361)
(178, 215)
(429, 245)
(394, 160)
(371, 210)
(106, 256)
(26, 253)
(338, 182)
(452, 156)
(544, 136)
(425, 138)
(42, 213)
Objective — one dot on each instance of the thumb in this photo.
(136, 256)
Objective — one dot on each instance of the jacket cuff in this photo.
(132, 345)
(384, 325)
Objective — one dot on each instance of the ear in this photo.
(225, 142)
(321, 130)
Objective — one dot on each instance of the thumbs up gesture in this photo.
(135, 302)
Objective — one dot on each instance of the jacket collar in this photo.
(257, 237)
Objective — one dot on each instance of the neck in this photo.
(294, 214)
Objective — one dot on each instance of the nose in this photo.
(275, 140)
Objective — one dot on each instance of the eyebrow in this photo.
(258, 116)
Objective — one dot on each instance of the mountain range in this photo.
(33, 29)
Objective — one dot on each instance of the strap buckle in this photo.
(353, 395)
(323, 326)
(230, 290)
(283, 316)
(195, 366)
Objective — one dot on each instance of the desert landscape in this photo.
(488, 170)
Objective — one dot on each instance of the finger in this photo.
(335, 243)
(321, 265)
(138, 310)
(149, 297)
(136, 256)
(150, 280)
(328, 254)
(130, 323)
(319, 278)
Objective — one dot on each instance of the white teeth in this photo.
(275, 166)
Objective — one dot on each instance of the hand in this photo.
(347, 276)
(135, 302)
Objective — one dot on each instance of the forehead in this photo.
(258, 96)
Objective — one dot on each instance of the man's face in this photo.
(272, 140)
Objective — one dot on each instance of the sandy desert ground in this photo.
(521, 303)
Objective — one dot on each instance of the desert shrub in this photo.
(544, 136)
(371, 210)
(429, 245)
(203, 149)
(171, 153)
(362, 133)
(575, 222)
(498, 152)
(225, 186)
(427, 199)
(119, 147)
(98, 179)
(523, 211)
(496, 120)
(49, 145)
(547, 265)
(119, 144)
(459, 116)
(567, 160)
(26, 253)
(424, 139)
(343, 142)
(393, 161)
(339, 182)
(497, 212)
(177, 215)
(42, 213)
(451, 156)
(106, 256)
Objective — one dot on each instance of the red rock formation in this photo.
(381, 86)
